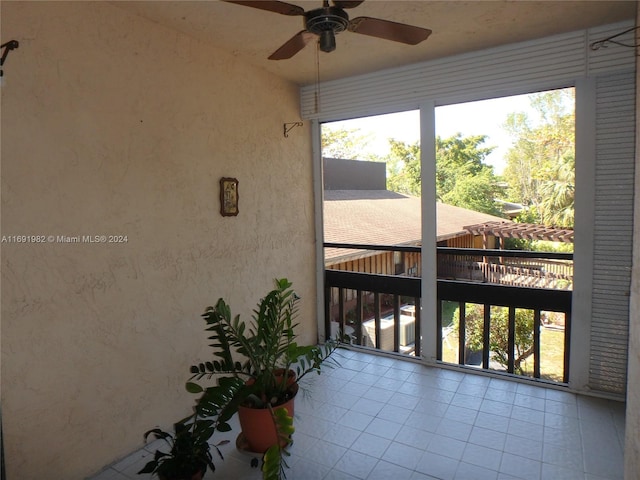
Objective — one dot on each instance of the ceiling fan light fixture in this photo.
(327, 41)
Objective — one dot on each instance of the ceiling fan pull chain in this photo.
(317, 93)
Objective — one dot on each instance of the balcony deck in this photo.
(378, 417)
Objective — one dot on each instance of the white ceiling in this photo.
(458, 27)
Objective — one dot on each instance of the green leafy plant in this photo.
(499, 333)
(189, 450)
(257, 365)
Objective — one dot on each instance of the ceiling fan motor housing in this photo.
(326, 22)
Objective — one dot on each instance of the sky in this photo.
(473, 118)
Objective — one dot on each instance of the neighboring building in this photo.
(362, 211)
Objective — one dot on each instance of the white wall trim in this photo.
(540, 64)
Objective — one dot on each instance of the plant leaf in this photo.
(194, 388)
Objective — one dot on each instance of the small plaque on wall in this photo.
(228, 197)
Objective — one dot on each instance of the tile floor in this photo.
(381, 418)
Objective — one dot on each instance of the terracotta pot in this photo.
(258, 429)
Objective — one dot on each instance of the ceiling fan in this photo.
(327, 21)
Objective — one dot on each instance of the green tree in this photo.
(462, 177)
(348, 144)
(557, 189)
(498, 333)
(475, 192)
(541, 164)
(458, 157)
(403, 168)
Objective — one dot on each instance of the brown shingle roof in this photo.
(380, 217)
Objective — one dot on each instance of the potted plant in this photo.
(189, 450)
(257, 367)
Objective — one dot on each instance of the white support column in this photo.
(583, 244)
(318, 199)
(429, 231)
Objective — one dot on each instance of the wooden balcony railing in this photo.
(383, 311)
(507, 267)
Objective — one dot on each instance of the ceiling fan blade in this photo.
(347, 3)
(272, 6)
(398, 32)
(292, 46)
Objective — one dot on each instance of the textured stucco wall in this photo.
(113, 125)
(632, 423)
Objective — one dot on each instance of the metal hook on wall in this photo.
(7, 47)
(289, 126)
(612, 39)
